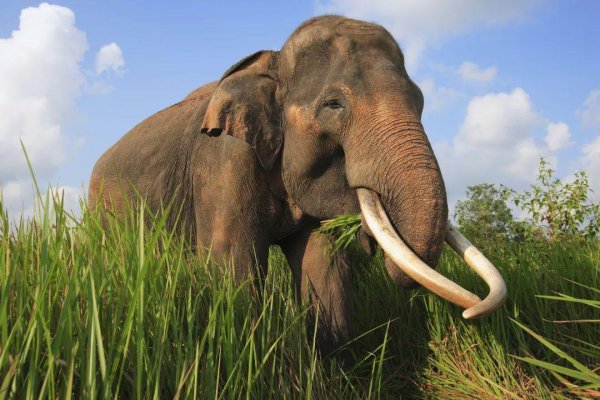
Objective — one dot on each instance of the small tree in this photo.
(559, 210)
(484, 213)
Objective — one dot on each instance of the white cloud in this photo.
(497, 143)
(471, 72)
(110, 58)
(437, 97)
(419, 24)
(590, 115)
(558, 136)
(590, 153)
(13, 194)
(498, 119)
(19, 197)
(41, 78)
(70, 197)
(591, 164)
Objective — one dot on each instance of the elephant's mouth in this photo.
(404, 258)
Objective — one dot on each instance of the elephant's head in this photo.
(338, 106)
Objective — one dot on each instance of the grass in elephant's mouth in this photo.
(125, 310)
(342, 229)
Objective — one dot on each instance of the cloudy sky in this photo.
(505, 82)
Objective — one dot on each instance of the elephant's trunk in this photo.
(403, 201)
(396, 161)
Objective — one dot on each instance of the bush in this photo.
(557, 210)
(484, 214)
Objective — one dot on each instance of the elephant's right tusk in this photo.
(385, 234)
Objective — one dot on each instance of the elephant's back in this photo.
(150, 155)
(202, 92)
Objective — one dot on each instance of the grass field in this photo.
(127, 311)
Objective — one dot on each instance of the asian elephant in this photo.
(328, 125)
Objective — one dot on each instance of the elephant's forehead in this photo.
(325, 27)
(344, 63)
(342, 87)
(337, 36)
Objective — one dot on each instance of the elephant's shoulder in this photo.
(202, 92)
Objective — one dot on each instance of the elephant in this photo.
(328, 125)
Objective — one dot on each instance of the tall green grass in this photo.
(95, 307)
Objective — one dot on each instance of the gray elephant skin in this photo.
(282, 142)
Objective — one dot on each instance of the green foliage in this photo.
(558, 210)
(579, 378)
(555, 210)
(342, 229)
(95, 307)
(484, 214)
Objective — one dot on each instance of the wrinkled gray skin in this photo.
(280, 143)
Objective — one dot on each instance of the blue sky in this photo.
(505, 82)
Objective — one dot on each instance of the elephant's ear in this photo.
(244, 106)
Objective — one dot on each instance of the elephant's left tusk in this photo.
(484, 268)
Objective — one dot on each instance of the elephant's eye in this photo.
(333, 104)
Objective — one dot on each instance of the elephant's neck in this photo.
(275, 181)
(292, 217)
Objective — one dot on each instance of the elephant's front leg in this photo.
(233, 208)
(238, 245)
(323, 280)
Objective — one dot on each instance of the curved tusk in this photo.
(484, 268)
(385, 234)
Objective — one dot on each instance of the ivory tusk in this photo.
(385, 234)
(484, 268)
